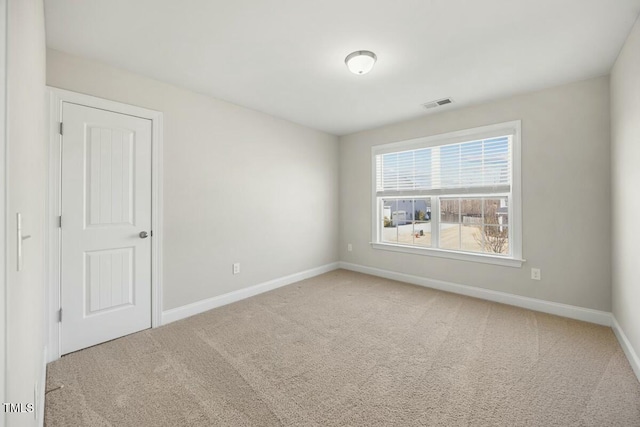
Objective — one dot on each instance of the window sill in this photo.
(461, 256)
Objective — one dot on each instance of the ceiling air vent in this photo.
(438, 103)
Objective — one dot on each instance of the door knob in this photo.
(143, 234)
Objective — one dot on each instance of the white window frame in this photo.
(515, 196)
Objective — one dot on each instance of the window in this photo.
(455, 195)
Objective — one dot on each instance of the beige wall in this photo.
(239, 185)
(565, 189)
(26, 163)
(625, 168)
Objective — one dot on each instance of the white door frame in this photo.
(52, 249)
(3, 189)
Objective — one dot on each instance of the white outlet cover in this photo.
(535, 274)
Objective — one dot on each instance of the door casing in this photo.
(52, 246)
(3, 189)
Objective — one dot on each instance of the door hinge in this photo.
(60, 221)
(60, 315)
(61, 129)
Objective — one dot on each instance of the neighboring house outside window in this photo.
(455, 195)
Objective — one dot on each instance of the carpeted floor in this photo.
(347, 349)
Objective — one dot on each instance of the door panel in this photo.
(106, 203)
(109, 177)
(109, 279)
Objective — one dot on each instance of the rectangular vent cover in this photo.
(438, 103)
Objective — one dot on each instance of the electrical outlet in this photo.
(236, 268)
(349, 247)
(535, 274)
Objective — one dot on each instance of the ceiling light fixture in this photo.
(361, 61)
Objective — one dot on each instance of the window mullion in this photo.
(460, 224)
(435, 221)
(482, 229)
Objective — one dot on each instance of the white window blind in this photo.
(479, 166)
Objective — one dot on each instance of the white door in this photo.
(106, 226)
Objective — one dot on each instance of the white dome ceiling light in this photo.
(361, 61)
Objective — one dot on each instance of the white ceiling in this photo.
(286, 57)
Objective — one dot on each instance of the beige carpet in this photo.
(347, 349)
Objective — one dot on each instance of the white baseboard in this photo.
(634, 360)
(188, 310)
(40, 391)
(565, 310)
